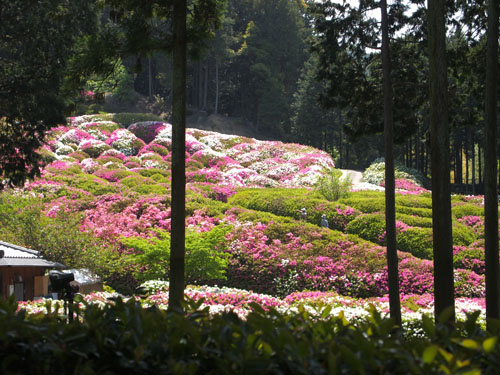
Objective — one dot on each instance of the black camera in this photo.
(59, 281)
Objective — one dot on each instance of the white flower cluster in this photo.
(124, 141)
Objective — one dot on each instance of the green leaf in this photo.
(446, 315)
(489, 344)
(447, 356)
(429, 354)
(326, 312)
(469, 344)
(428, 326)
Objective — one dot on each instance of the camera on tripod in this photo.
(60, 282)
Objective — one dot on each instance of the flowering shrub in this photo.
(375, 174)
(147, 130)
(121, 193)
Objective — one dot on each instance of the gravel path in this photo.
(356, 176)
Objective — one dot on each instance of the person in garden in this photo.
(324, 221)
(303, 213)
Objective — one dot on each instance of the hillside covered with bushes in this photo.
(103, 202)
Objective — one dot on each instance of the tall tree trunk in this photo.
(440, 162)
(150, 79)
(467, 160)
(178, 232)
(390, 205)
(200, 85)
(490, 170)
(458, 161)
(479, 164)
(473, 161)
(205, 87)
(216, 86)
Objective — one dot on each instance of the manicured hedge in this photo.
(370, 227)
(289, 202)
(416, 241)
(366, 204)
(467, 209)
(414, 220)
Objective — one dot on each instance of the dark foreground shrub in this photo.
(128, 339)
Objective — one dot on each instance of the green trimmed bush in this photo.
(125, 119)
(410, 200)
(467, 209)
(152, 171)
(414, 220)
(416, 211)
(289, 202)
(154, 189)
(370, 227)
(366, 205)
(93, 184)
(462, 234)
(135, 180)
(416, 241)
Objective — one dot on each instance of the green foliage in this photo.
(416, 211)
(265, 343)
(136, 181)
(366, 204)
(470, 258)
(35, 44)
(416, 241)
(466, 209)
(125, 119)
(58, 238)
(422, 200)
(333, 186)
(289, 202)
(153, 189)
(414, 220)
(205, 256)
(370, 227)
(93, 184)
(462, 234)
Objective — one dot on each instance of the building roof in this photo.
(17, 256)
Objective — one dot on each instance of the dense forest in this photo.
(274, 68)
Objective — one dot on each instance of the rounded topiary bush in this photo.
(463, 235)
(414, 220)
(375, 173)
(146, 130)
(366, 205)
(471, 258)
(416, 241)
(466, 209)
(133, 181)
(93, 147)
(370, 227)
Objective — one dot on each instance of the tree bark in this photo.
(440, 162)
(473, 162)
(216, 86)
(177, 252)
(390, 205)
(490, 170)
(150, 78)
(205, 87)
